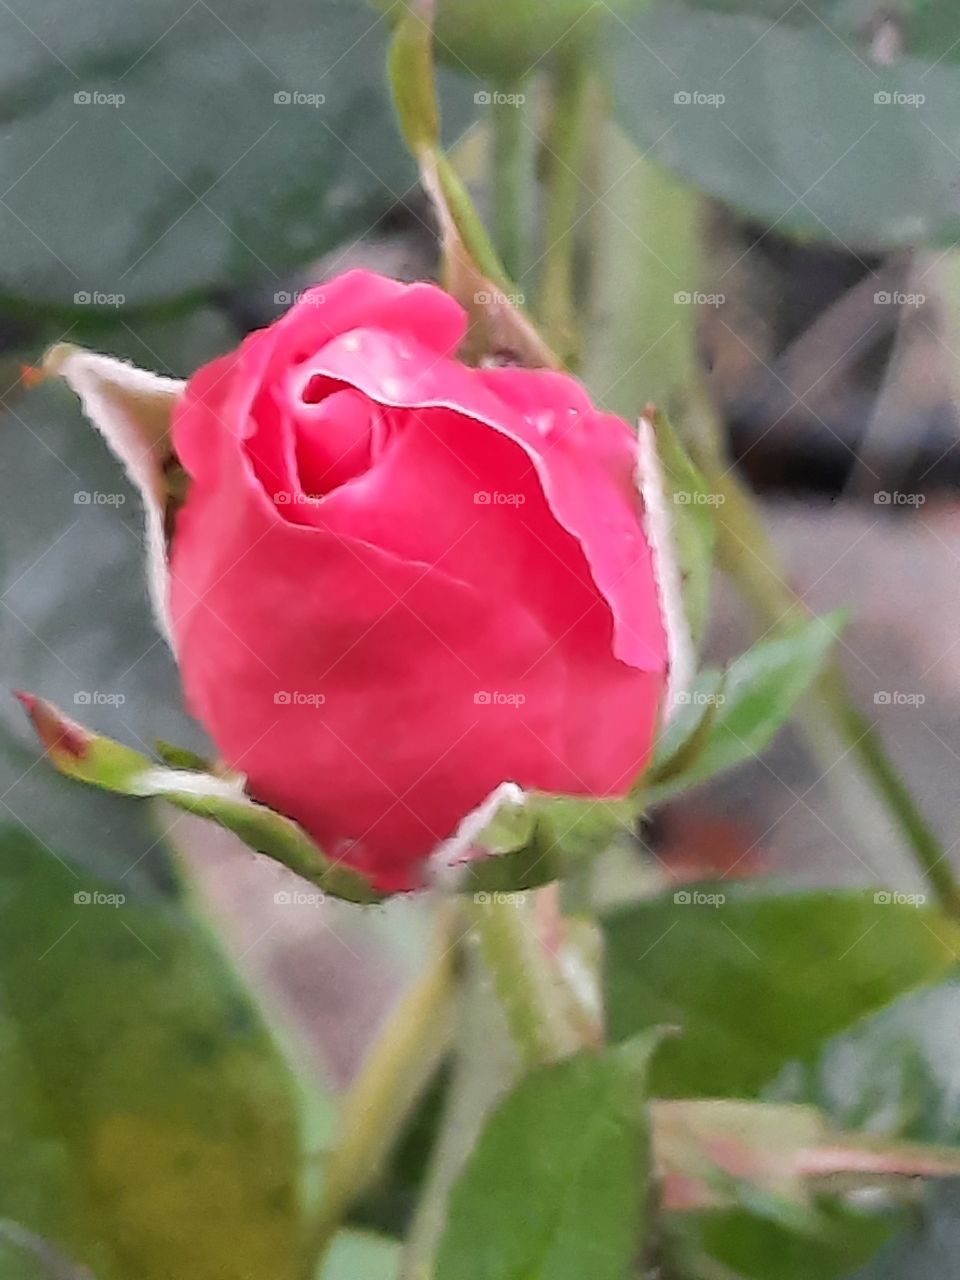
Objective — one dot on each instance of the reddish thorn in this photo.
(31, 375)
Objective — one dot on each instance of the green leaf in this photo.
(749, 1247)
(557, 1185)
(675, 757)
(148, 1124)
(757, 979)
(743, 708)
(241, 148)
(925, 27)
(896, 1073)
(799, 139)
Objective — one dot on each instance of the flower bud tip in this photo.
(57, 734)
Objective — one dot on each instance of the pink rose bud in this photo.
(398, 582)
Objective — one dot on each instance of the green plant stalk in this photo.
(513, 182)
(413, 86)
(485, 1065)
(514, 1014)
(747, 553)
(470, 225)
(528, 988)
(564, 152)
(398, 1068)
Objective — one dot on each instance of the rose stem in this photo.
(413, 1042)
(512, 178)
(526, 984)
(485, 1063)
(564, 148)
(512, 1016)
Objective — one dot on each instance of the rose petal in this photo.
(334, 440)
(578, 453)
(362, 299)
(492, 652)
(251, 385)
(375, 631)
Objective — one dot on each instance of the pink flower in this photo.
(398, 582)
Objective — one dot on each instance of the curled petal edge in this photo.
(132, 409)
